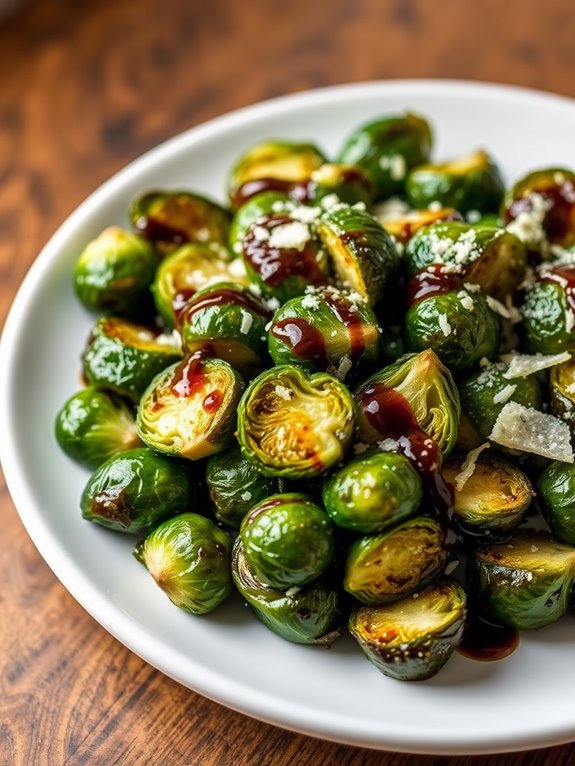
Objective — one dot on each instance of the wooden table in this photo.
(85, 87)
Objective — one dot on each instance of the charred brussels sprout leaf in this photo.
(304, 615)
(295, 425)
(384, 567)
(411, 639)
(189, 557)
(189, 409)
(124, 356)
(387, 148)
(548, 310)
(114, 272)
(526, 582)
(405, 225)
(287, 540)
(136, 490)
(557, 495)
(93, 425)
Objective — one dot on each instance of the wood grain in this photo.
(85, 88)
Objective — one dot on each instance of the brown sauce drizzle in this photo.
(564, 276)
(298, 191)
(189, 376)
(349, 315)
(212, 401)
(157, 231)
(430, 281)
(305, 340)
(223, 296)
(485, 641)
(559, 219)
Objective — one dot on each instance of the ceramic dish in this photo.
(470, 707)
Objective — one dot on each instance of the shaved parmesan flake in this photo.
(503, 396)
(468, 466)
(283, 392)
(498, 307)
(292, 236)
(444, 324)
(247, 322)
(526, 364)
(526, 429)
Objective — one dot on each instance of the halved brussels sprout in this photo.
(548, 310)
(114, 272)
(493, 500)
(93, 425)
(189, 269)
(295, 425)
(304, 615)
(327, 329)
(136, 490)
(124, 356)
(258, 207)
(460, 336)
(526, 582)
(404, 226)
(412, 639)
(363, 255)
(469, 183)
(230, 320)
(556, 487)
(272, 166)
(172, 218)
(189, 409)
(384, 567)
(189, 557)
(387, 148)
(562, 384)
(373, 492)
(416, 393)
(349, 183)
(235, 485)
(288, 540)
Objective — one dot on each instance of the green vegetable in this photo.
(349, 183)
(251, 212)
(556, 488)
(548, 311)
(562, 387)
(404, 226)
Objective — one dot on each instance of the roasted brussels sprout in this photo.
(136, 490)
(288, 540)
(189, 409)
(387, 148)
(93, 425)
(255, 209)
(526, 582)
(548, 310)
(189, 557)
(411, 639)
(304, 615)
(372, 492)
(114, 272)
(413, 395)
(230, 321)
(541, 207)
(494, 498)
(327, 329)
(295, 425)
(386, 566)
(391, 343)
(403, 226)
(172, 218)
(556, 487)
(124, 356)
(363, 255)
(469, 183)
(347, 183)
(562, 384)
(235, 485)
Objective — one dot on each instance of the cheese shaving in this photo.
(526, 364)
(528, 430)
(468, 466)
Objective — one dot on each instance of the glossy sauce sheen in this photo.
(431, 281)
(302, 337)
(560, 218)
(297, 191)
(221, 297)
(189, 377)
(156, 231)
(564, 276)
(348, 314)
(487, 642)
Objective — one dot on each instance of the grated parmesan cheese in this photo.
(528, 225)
(245, 496)
(498, 307)
(237, 268)
(466, 300)
(310, 302)
(503, 396)
(344, 367)
(521, 365)
(247, 322)
(388, 445)
(283, 392)
(444, 325)
(528, 430)
(468, 466)
(293, 236)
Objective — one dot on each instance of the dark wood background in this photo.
(85, 87)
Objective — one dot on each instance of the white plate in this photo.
(470, 707)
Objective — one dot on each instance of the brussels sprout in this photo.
(481, 255)
(542, 206)
(283, 256)
(189, 409)
(412, 639)
(484, 394)
(189, 557)
(326, 329)
(384, 567)
(548, 310)
(363, 254)
(235, 485)
(295, 425)
(493, 500)
(387, 148)
(255, 209)
(189, 269)
(556, 487)
(230, 320)
(347, 183)
(125, 357)
(93, 425)
(526, 582)
(114, 272)
(372, 492)
(404, 226)
(391, 344)
(288, 540)
(562, 384)
(172, 218)
(136, 490)
(470, 183)
(304, 615)
(272, 166)
(413, 395)
(459, 335)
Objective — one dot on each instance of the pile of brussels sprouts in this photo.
(301, 395)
